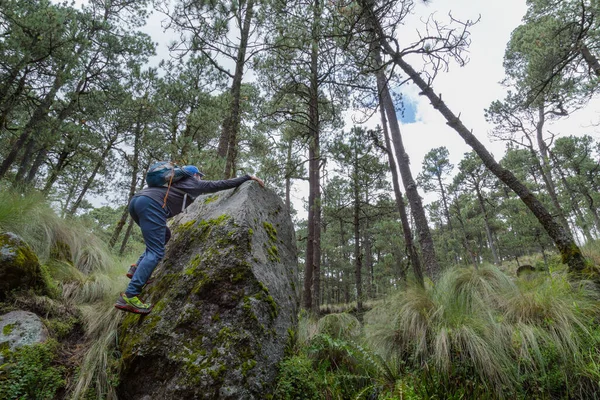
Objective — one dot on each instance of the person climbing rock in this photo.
(150, 208)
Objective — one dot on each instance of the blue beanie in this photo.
(191, 170)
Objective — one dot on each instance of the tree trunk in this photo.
(228, 140)
(37, 163)
(547, 171)
(313, 253)
(466, 245)
(133, 183)
(445, 203)
(40, 113)
(288, 180)
(411, 250)
(60, 165)
(574, 205)
(369, 262)
(101, 161)
(357, 254)
(416, 206)
(568, 249)
(25, 159)
(126, 237)
(7, 103)
(488, 230)
(590, 59)
(56, 124)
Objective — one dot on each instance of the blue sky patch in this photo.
(406, 109)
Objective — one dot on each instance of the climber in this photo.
(150, 208)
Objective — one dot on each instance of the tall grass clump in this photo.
(49, 235)
(99, 369)
(340, 326)
(480, 334)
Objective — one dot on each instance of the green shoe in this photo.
(132, 304)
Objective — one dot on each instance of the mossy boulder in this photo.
(225, 303)
(19, 266)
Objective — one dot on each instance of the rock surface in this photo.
(21, 328)
(225, 301)
(19, 266)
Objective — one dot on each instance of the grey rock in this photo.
(225, 301)
(21, 328)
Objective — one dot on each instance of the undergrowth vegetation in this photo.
(476, 334)
(80, 313)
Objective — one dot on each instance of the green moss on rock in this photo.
(271, 231)
(7, 330)
(19, 267)
(210, 199)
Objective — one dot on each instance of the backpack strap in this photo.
(168, 188)
(181, 192)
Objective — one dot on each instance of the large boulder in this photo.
(225, 303)
(19, 266)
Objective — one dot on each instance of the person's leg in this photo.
(153, 222)
(136, 219)
(133, 267)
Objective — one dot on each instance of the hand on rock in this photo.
(260, 182)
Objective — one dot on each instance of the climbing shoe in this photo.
(131, 271)
(132, 304)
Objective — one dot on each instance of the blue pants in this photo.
(152, 219)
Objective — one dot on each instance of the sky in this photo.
(467, 90)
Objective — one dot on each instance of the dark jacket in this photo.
(192, 187)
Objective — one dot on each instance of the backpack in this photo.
(163, 173)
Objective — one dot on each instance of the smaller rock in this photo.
(21, 328)
(19, 266)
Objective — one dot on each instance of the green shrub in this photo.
(29, 373)
(297, 380)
